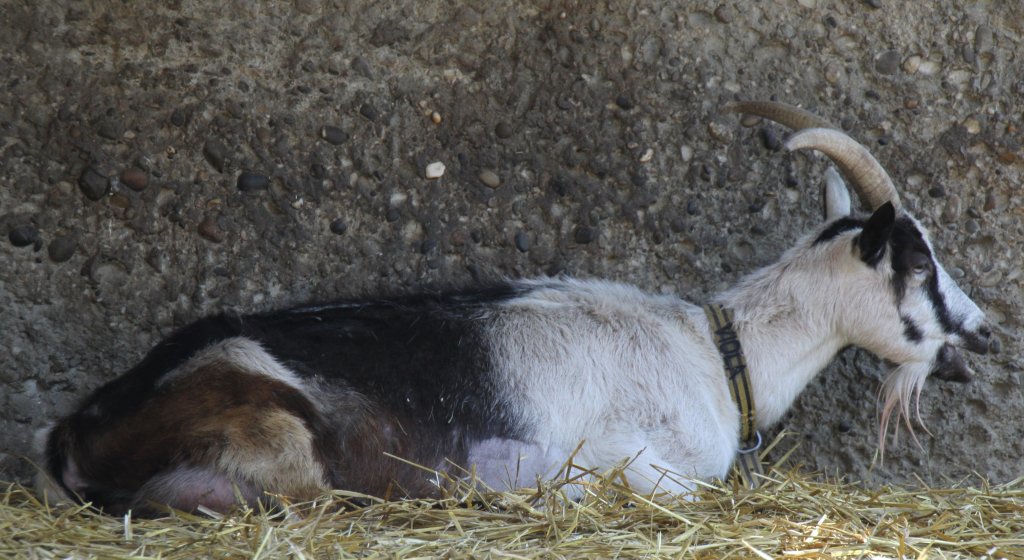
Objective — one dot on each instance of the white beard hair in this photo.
(900, 388)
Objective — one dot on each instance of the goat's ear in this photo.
(837, 196)
(876, 233)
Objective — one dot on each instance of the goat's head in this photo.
(922, 318)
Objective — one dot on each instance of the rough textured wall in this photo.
(161, 163)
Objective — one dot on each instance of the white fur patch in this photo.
(239, 352)
(45, 485)
(41, 436)
(621, 370)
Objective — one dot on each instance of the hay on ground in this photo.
(791, 516)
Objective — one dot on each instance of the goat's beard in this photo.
(901, 389)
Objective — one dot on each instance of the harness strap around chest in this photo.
(738, 377)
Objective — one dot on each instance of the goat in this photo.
(508, 380)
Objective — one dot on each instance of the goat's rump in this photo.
(292, 402)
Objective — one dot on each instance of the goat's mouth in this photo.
(951, 366)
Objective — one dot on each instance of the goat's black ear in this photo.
(876, 233)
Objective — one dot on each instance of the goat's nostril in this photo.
(980, 341)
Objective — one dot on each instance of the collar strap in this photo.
(738, 376)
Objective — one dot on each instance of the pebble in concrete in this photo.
(333, 134)
(522, 241)
(887, 63)
(135, 178)
(434, 170)
(216, 153)
(23, 236)
(210, 229)
(93, 184)
(61, 249)
(503, 130)
(584, 235)
(369, 111)
(252, 182)
(489, 178)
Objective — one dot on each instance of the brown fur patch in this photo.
(246, 426)
(259, 433)
(371, 438)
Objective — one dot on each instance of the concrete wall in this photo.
(578, 137)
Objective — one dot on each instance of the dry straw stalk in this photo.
(791, 516)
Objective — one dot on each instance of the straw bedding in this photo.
(792, 516)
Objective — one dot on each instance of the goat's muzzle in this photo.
(978, 341)
(951, 366)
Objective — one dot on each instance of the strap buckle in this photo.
(753, 448)
(751, 470)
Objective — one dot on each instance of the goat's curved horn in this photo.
(787, 115)
(867, 176)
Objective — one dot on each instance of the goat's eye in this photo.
(920, 264)
(921, 269)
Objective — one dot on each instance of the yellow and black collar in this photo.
(737, 374)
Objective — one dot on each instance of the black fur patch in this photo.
(420, 363)
(909, 250)
(838, 227)
(407, 375)
(911, 330)
(877, 235)
(939, 303)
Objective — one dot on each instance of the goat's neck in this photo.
(787, 339)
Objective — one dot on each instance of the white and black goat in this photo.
(508, 380)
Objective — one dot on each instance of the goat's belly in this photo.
(506, 464)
